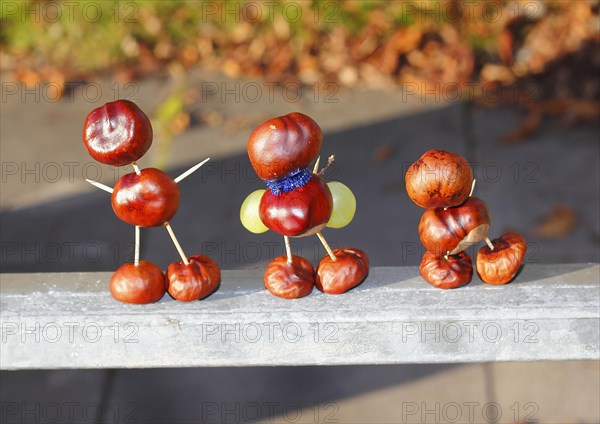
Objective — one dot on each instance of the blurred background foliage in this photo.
(354, 43)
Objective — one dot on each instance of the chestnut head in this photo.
(117, 133)
(439, 179)
(283, 145)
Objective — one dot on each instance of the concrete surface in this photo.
(550, 312)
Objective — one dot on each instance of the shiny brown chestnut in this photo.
(452, 230)
(141, 283)
(196, 280)
(447, 272)
(439, 179)
(301, 212)
(500, 265)
(347, 271)
(289, 280)
(149, 199)
(283, 145)
(117, 133)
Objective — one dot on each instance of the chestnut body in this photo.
(300, 212)
(348, 270)
(439, 179)
(454, 229)
(141, 283)
(283, 145)
(499, 266)
(446, 273)
(195, 281)
(117, 133)
(289, 280)
(148, 200)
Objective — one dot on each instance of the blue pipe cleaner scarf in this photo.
(293, 181)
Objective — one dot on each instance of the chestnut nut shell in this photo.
(347, 271)
(446, 273)
(148, 200)
(452, 230)
(141, 283)
(289, 280)
(195, 281)
(439, 179)
(499, 266)
(117, 133)
(283, 145)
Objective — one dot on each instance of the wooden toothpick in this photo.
(191, 170)
(100, 185)
(136, 168)
(330, 160)
(176, 243)
(326, 246)
(489, 243)
(136, 257)
(288, 249)
(316, 167)
(472, 187)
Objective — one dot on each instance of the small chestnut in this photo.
(289, 280)
(347, 271)
(450, 231)
(149, 199)
(117, 133)
(196, 280)
(500, 265)
(439, 179)
(141, 283)
(446, 272)
(283, 145)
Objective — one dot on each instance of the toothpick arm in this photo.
(191, 170)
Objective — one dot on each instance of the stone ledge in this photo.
(69, 320)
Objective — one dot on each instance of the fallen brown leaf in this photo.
(383, 153)
(557, 224)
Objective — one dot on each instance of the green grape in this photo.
(249, 213)
(344, 205)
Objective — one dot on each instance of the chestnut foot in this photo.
(197, 280)
(348, 270)
(446, 273)
(499, 266)
(289, 280)
(141, 283)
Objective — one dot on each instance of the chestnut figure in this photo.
(299, 203)
(301, 212)
(149, 199)
(197, 280)
(117, 133)
(347, 271)
(439, 179)
(446, 272)
(289, 280)
(141, 283)
(283, 145)
(452, 230)
(500, 265)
